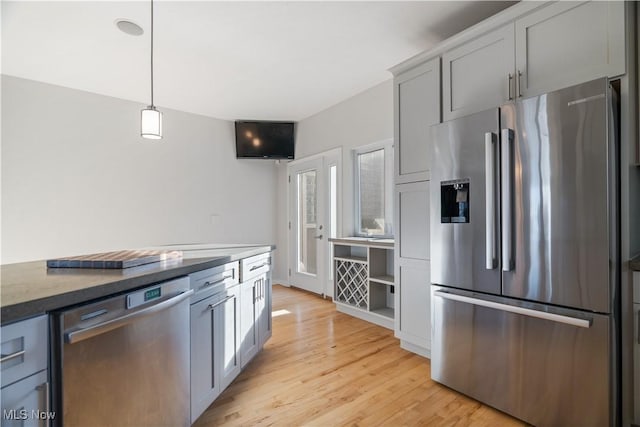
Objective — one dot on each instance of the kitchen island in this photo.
(67, 335)
(30, 288)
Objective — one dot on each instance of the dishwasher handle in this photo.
(92, 331)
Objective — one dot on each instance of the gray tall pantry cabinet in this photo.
(417, 107)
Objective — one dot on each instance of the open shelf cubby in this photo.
(363, 279)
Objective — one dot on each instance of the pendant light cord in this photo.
(152, 53)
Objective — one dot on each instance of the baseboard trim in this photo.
(420, 351)
(365, 315)
(280, 282)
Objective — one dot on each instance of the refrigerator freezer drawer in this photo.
(544, 367)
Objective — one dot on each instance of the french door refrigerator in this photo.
(525, 258)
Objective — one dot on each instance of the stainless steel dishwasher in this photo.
(124, 361)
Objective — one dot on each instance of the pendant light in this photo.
(150, 117)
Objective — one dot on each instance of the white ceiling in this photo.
(230, 60)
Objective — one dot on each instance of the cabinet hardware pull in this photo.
(519, 84)
(319, 237)
(509, 83)
(638, 327)
(207, 284)
(7, 357)
(255, 267)
(212, 306)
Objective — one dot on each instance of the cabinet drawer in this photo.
(24, 349)
(207, 282)
(255, 266)
(21, 399)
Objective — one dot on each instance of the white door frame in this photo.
(307, 237)
(328, 158)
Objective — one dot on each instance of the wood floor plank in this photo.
(325, 368)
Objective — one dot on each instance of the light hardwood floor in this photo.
(325, 368)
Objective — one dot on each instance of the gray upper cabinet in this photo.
(417, 106)
(553, 52)
(478, 74)
(551, 47)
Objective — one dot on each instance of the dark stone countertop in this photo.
(634, 264)
(30, 288)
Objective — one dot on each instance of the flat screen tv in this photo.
(264, 140)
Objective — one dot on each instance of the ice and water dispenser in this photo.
(454, 201)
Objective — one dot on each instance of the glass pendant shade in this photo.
(151, 123)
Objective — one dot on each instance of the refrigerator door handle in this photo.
(490, 140)
(506, 143)
(559, 318)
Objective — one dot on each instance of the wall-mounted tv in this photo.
(264, 140)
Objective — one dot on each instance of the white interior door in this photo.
(307, 229)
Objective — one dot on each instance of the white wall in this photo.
(360, 120)
(77, 177)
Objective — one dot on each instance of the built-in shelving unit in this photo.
(363, 279)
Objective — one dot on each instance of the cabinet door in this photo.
(21, 398)
(230, 337)
(412, 268)
(567, 43)
(248, 332)
(24, 347)
(412, 215)
(636, 346)
(416, 107)
(265, 310)
(636, 359)
(475, 75)
(205, 385)
(414, 304)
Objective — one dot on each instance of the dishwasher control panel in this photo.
(143, 297)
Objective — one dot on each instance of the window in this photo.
(374, 180)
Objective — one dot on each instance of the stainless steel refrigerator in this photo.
(525, 256)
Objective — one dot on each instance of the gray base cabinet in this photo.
(25, 384)
(255, 312)
(636, 347)
(265, 326)
(230, 322)
(215, 333)
(205, 384)
(25, 402)
(248, 322)
(229, 344)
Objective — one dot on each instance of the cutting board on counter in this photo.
(114, 260)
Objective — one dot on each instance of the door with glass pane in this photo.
(307, 225)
